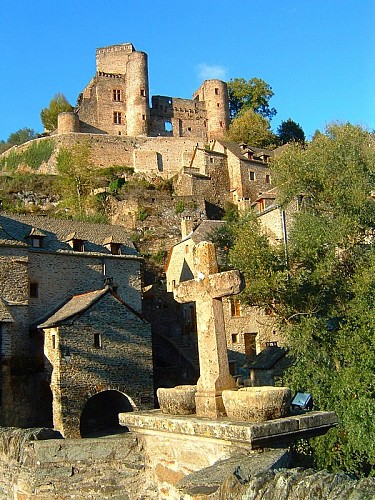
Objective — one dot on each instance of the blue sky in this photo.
(317, 55)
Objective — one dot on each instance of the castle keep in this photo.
(116, 102)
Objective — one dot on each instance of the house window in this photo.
(117, 95)
(250, 343)
(211, 160)
(235, 307)
(97, 340)
(235, 338)
(267, 179)
(261, 205)
(117, 117)
(78, 245)
(186, 248)
(34, 290)
(252, 175)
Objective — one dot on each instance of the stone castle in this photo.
(116, 102)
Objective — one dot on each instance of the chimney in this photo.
(186, 226)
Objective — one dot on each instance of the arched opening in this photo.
(100, 414)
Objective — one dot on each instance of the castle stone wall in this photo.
(113, 59)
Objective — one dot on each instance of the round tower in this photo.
(67, 122)
(215, 96)
(137, 95)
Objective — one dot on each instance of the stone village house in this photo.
(249, 330)
(98, 347)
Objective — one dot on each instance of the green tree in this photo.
(251, 128)
(251, 94)
(21, 136)
(323, 293)
(290, 131)
(76, 179)
(58, 104)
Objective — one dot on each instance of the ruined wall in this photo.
(122, 361)
(176, 117)
(81, 274)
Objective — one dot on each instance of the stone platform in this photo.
(251, 435)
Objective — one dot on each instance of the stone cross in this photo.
(207, 290)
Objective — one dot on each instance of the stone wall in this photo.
(82, 273)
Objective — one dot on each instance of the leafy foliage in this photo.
(251, 128)
(290, 131)
(323, 292)
(21, 136)
(252, 94)
(58, 104)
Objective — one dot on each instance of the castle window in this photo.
(53, 341)
(143, 117)
(252, 175)
(216, 91)
(97, 340)
(218, 105)
(221, 124)
(189, 129)
(143, 93)
(267, 179)
(117, 95)
(168, 127)
(117, 117)
(34, 290)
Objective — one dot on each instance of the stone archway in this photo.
(100, 414)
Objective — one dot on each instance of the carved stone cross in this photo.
(207, 290)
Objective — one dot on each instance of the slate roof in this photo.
(76, 305)
(15, 230)
(205, 229)
(267, 358)
(236, 149)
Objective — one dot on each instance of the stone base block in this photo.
(257, 404)
(209, 404)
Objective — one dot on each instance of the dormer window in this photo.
(115, 248)
(36, 241)
(35, 238)
(78, 245)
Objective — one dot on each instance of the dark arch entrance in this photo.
(100, 414)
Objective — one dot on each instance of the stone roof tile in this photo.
(14, 228)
